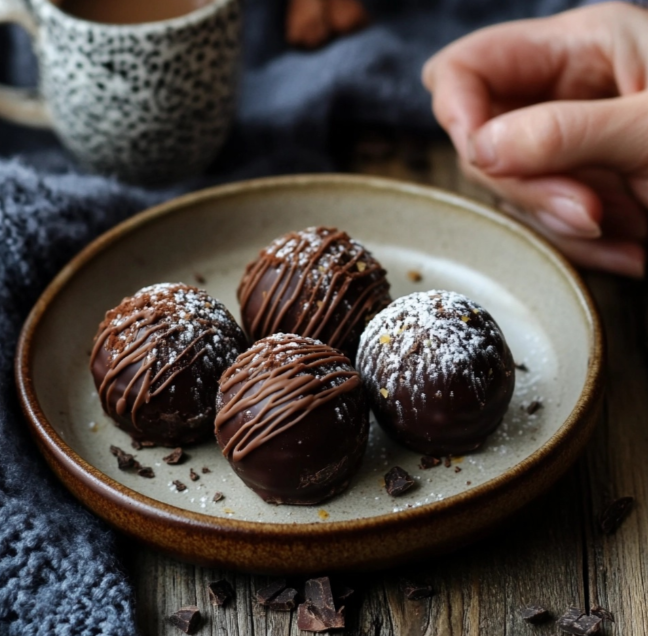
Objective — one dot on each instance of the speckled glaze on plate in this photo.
(539, 302)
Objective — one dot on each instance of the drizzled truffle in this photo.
(438, 372)
(318, 283)
(292, 419)
(157, 359)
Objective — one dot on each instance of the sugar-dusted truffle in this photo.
(292, 419)
(157, 359)
(318, 283)
(438, 372)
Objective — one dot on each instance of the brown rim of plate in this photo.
(103, 485)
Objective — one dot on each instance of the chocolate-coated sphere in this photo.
(292, 419)
(438, 372)
(318, 283)
(157, 359)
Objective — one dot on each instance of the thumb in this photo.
(564, 135)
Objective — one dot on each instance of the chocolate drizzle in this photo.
(292, 419)
(317, 283)
(168, 342)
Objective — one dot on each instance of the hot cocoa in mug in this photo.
(141, 90)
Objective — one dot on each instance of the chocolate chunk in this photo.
(584, 625)
(416, 590)
(535, 614)
(318, 613)
(427, 461)
(284, 601)
(447, 462)
(601, 612)
(571, 615)
(176, 456)
(268, 593)
(521, 367)
(398, 481)
(124, 460)
(218, 496)
(533, 407)
(457, 469)
(205, 470)
(220, 592)
(193, 475)
(179, 485)
(614, 514)
(186, 618)
(146, 471)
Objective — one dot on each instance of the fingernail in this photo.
(481, 151)
(556, 224)
(573, 214)
(458, 135)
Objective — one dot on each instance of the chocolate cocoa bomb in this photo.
(438, 373)
(292, 419)
(157, 359)
(318, 283)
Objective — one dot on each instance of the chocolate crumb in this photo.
(602, 613)
(220, 592)
(533, 407)
(447, 461)
(205, 470)
(416, 590)
(457, 469)
(614, 514)
(124, 459)
(218, 496)
(175, 457)
(136, 444)
(318, 613)
(427, 461)
(270, 592)
(200, 279)
(521, 367)
(186, 618)
(468, 483)
(193, 475)
(535, 614)
(179, 485)
(398, 481)
(146, 471)
(284, 601)
(414, 276)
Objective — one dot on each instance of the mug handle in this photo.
(22, 105)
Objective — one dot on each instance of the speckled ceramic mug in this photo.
(147, 102)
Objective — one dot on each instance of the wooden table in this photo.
(552, 553)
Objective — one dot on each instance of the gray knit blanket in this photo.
(59, 574)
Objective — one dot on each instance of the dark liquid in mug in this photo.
(129, 11)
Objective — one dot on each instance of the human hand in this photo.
(552, 115)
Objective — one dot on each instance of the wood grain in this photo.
(552, 553)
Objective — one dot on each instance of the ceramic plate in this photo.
(426, 239)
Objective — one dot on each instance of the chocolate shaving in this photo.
(268, 593)
(614, 514)
(179, 485)
(218, 496)
(521, 367)
(205, 470)
(533, 407)
(284, 601)
(147, 444)
(220, 592)
(318, 613)
(343, 594)
(602, 613)
(186, 618)
(146, 471)
(416, 590)
(457, 469)
(136, 444)
(427, 461)
(193, 475)
(398, 481)
(535, 614)
(124, 460)
(175, 457)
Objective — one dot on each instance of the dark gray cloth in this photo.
(58, 570)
